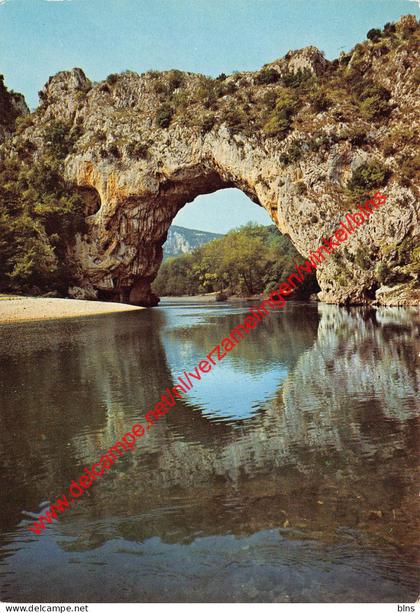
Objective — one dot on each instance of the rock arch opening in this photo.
(215, 210)
(129, 224)
(186, 271)
(220, 212)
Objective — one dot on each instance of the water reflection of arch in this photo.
(237, 477)
(252, 372)
(295, 452)
(348, 366)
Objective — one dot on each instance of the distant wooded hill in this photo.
(184, 240)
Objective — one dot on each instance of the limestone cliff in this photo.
(184, 240)
(304, 138)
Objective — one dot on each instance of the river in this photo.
(288, 474)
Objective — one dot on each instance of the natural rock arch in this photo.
(130, 226)
(145, 145)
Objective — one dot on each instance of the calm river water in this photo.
(286, 475)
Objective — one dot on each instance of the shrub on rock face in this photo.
(281, 118)
(164, 116)
(292, 154)
(39, 215)
(176, 79)
(227, 88)
(389, 28)
(22, 122)
(374, 108)
(409, 170)
(357, 136)
(362, 259)
(180, 100)
(246, 261)
(235, 119)
(366, 177)
(267, 76)
(320, 102)
(373, 100)
(112, 79)
(59, 139)
(297, 79)
(374, 34)
(207, 124)
(221, 297)
(269, 99)
(137, 151)
(160, 87)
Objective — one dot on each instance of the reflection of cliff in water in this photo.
(281, 338)
(262, 358)
(68, 390)
(363, 354)
(334, 449)
(343, 458)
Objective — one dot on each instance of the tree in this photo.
(374, 34)
(246, 261)
(39, 216)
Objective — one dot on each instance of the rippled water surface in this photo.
(286, 475)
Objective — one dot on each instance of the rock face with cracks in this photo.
(305, 138)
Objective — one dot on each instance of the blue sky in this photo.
(40, 37)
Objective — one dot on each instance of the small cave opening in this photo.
(91, 199)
